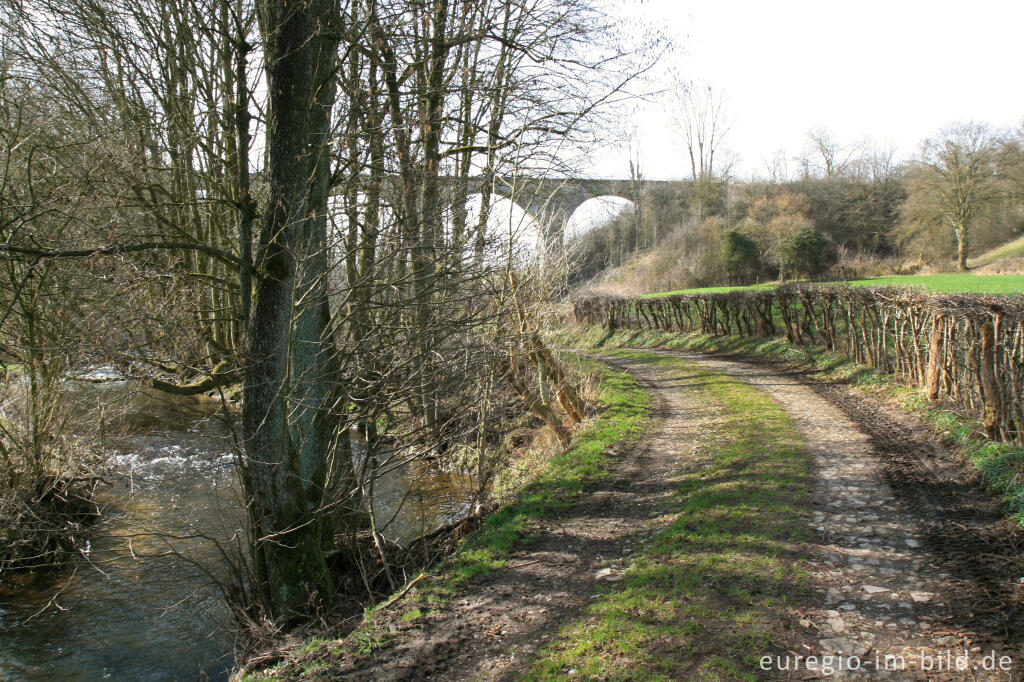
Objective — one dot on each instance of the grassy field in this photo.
(944, 284)
(711, 290)
(952, 283)
(703, 600)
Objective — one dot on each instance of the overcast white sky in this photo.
(893, 71)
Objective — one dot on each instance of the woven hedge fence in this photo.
(966, 349)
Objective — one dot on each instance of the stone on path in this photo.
(844, 646)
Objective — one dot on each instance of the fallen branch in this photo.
(528, 563)
(405, 591)
(219, 377)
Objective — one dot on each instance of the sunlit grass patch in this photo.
(959, 283)
(1013, 249)
(952, 283)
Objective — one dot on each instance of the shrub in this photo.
(739, 257)
(806, 252)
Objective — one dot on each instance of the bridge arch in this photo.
(509, 227)
(552, 201)
(596, 212)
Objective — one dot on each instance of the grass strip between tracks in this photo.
(714, 589)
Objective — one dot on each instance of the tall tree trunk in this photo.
(425, 257)
(961, 247)
(289, 434)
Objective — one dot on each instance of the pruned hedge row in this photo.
(966, 349)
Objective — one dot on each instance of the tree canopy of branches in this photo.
(703, 124)
(283, 191)
(952, 181)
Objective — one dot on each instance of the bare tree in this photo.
(389, 321)
(777, 168)
(703, 121)
(952, 180)
(370, 307)
(834, 159)
(179, 138)
(295, 465)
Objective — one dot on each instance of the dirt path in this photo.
(914, 563)
(910, 563)
(491, 631)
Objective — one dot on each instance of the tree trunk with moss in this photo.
(961, 247)
(293, 451)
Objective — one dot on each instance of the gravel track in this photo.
(913, 558)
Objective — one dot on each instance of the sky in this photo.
(887, 72)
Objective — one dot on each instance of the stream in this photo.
(141, 604)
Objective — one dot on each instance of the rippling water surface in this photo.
(141, 605)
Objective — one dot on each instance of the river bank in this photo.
(546, 483)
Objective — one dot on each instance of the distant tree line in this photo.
(849, 211)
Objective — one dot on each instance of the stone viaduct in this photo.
(551, 201)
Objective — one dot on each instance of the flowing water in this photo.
(141, 604)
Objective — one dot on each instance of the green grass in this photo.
(1000, 464)
(623, 416)
(961, 283)
(1013, 249)
(625, 413)
(704, 599)
(713, 290)
(964, 283)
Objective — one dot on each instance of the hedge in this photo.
(967, 349)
